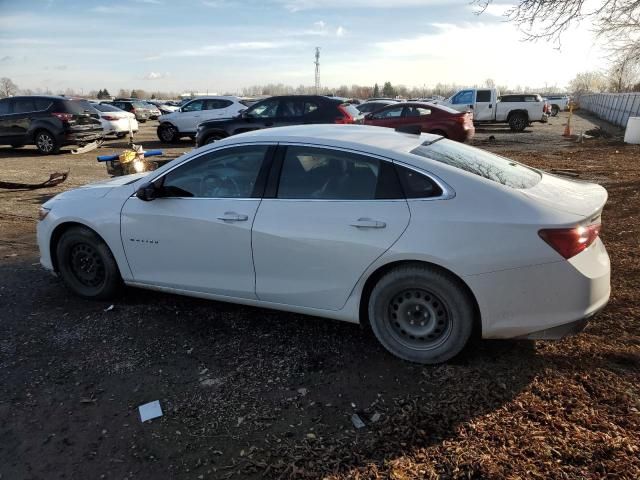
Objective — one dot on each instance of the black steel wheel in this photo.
(518, 122)
(421, 314)
(167, 133)
(86, 264)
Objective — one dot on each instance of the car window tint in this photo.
(325, 174)
(264, 109)
(481, 163)
(194, 106)
(215, 104)
(417, 185)
(394, 112)
(23, 105)
(42, 104)
(291, 108)
(4, 106)
(416, 112)
(483, 96)
(228, 173)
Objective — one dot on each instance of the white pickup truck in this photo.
(518, 110)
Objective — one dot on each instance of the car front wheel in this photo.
(167, 133)
(421, 314)
(86, 264)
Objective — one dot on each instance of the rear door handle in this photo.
(368, 223)
(233, 217)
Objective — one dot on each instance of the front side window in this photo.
(310, 107)
(324, 174)
(264, 109)
(465, 96)
(194, 106)
(228, 173)
(481, 163)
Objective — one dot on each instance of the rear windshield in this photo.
(140, 104)
(351, 109)
(480, 162)
(78, 106)
(445, 108)
(106, 108)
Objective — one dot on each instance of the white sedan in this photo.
(425, 239)
(116, 121)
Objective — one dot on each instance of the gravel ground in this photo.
(252, 393)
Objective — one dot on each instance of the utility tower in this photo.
(317, 64)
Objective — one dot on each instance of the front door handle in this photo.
(368, 223)
(233, 217)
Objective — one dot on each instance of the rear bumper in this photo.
(82, 138)
(543, 301)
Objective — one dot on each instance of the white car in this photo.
(185, 121)
(115, 121)
(423, 238)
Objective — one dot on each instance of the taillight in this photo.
(569, 242)
(65, 117)
(110, 118)
(346, 118)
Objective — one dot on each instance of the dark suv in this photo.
(49, 122)
(279, 112)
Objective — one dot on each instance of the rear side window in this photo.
(4, 107)
(394, 112)
(483, 96)
(214, 104)
(310, 107)
(481, 163)
(416, 184)
(325, 174)
(291, 108)
(23, 105)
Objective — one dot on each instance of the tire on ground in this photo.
(86, 264)
(167, 133)
(518, 121)
(421, 314)
(46, 142)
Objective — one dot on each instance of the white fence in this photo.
(612, 107)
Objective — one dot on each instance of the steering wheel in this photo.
(211, 184)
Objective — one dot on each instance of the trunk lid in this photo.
(572, 196)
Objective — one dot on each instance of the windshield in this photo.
(79, 106)
(481, 163)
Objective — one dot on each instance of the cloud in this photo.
(320, 24)
(155, 76)
(150, 2)
(300, 5)
(340, 31)
(111, 9)
(215, 49)
(217, 3)
(6, 58)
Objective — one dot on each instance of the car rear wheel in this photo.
(421, 314)
(46, 142)
(518, 122)
(555, 110)
(167, 133)
(86, 264)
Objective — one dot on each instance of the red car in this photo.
(429, 118)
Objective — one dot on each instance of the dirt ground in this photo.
(252, 393)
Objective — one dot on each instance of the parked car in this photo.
(307, 219)
(164, 107)
(154, 111)
(48, 122)
(184, 122)
(278, 112)
(424, 117)
(558, 103)
(116, 121)
(373, 105)
(137, 107)
(488, 106)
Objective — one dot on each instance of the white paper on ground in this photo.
(150, 410)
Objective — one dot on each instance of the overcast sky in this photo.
(224, 45)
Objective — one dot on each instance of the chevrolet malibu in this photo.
(424, 239)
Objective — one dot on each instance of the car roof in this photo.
(357, 137)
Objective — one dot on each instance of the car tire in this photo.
(212, 139)
(86, 265)
(421, 314)
(518, 122)
(121, 134)
(167, 133)
(555, 110)
(46, 142)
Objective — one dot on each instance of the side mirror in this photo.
(147, 192)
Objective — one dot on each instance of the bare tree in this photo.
(7, 87)
(588, 82)
(489, 83)
(623, 74)
(616, 21)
